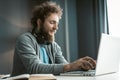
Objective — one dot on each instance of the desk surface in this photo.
(113, 76)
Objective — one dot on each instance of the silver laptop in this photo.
(107, 59)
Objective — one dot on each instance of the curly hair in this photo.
(43, 10)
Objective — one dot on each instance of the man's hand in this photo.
(85, 63)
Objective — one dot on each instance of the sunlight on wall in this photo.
(114, 17)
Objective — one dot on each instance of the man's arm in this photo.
(85, 63)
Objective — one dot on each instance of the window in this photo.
(114, 17)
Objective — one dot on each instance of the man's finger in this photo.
(86, 65)
(90, 60)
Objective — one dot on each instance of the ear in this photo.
(38, 23)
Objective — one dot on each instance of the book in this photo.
(33, 77)
(42, 77)
(2, 76)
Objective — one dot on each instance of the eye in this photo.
(52, 22)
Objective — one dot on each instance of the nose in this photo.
(55, 27)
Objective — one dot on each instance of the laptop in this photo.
(107, 59)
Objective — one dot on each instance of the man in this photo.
(37, 52)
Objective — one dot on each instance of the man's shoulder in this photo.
(27, 36)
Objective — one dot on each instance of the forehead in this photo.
(53, 17)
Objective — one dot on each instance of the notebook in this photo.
(107, 59)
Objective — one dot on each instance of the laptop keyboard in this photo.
(80, 73)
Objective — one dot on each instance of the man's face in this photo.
(51, 24)
(49, 28)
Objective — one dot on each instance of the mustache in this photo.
(53, 31)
